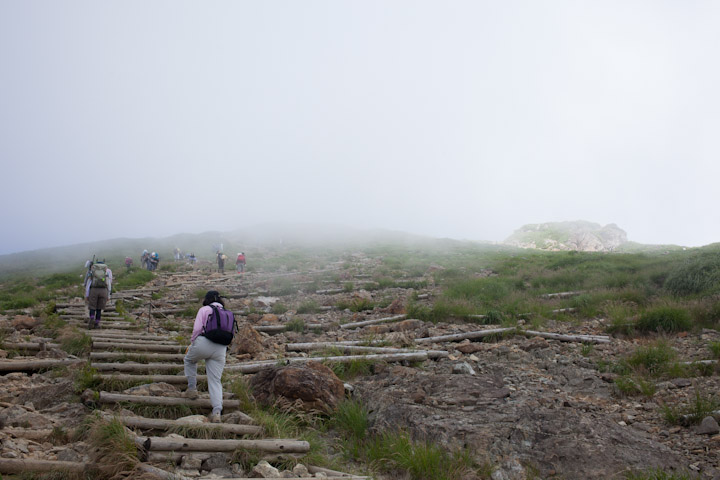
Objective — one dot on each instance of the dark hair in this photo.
(213, 296)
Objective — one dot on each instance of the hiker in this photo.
(221, 262)
(177, 253)
(98, 287)
(128, 263)
(144, 260)
(153, 261)
(192, 259)
(204, 346)
(240, 262)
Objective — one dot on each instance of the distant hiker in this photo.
(177, 254)
(98, 287)
(192, 259)
(128, 263)
(212, 333)
(221, 262)
(144, 260)
(153, 261)
(240, 262)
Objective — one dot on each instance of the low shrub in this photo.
(664, 319)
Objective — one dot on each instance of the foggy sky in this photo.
(460, 119)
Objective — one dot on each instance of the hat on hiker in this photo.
(212, 296)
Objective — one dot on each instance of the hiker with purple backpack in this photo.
(212, 333)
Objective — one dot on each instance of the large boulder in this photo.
(310, 387)
(246, 341)
(25, 322)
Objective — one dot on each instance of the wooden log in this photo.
(106, 397)
(34, 365)
(137, 367)
(136, 336)
(270, 328)
(153, 444)
(29, 433)
(163, 424)
(138, 346)
(174, 379)
(562, 294)
(564, 310)
(30, 465)
(462, 336)
(101, 339)
(420, 356)
(29, 346)
(567, 338)
(373, 322)
(700, 362)
(329, 291)
(306, 347)
(130, 355)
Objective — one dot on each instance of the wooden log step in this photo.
(373, 322)
(153, 444)
(29, 346)
(138, 346)
(306, 347)
(162, 424)
(562, 294)
(390, 357)
(138, 367)
(10, 466)
(131, 355)
(40, 435)
(107, 397)
(567, 338)
(174, 379)
(147, 341)
(34, 365)
(456, 337)
(138, 336)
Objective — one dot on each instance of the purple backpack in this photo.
(221, 326)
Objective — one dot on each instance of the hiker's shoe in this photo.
(215, 418)
(192, 394)
(97, 325)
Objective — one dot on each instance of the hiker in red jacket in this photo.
(240, 262)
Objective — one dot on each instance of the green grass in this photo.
(114, 450)
(701, 406)
(658, 474)
(354, 368)
(133, 279)
(654, 359)
(295, 325)
(279, 308)
(664, 319)
(308, 306)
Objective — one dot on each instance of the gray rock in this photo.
(264, 470)
(708, 426)
(463, 368)
(215, 462)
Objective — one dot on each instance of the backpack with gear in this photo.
(221, 326)
(98, 273)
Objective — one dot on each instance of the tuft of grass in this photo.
(354, 368)
(132, 279)
(664, 319)
(653, 359)
(351, 418)
(701, 406)
(279, 308)
(77, 343)
(295, 325)
(658, 474)
(308, 306)
(242, 392)
(114, 450)
(715, 349)
(85, 377)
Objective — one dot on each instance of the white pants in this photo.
(214, 356)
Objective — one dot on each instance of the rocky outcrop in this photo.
(580, 236)
(312, 386)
